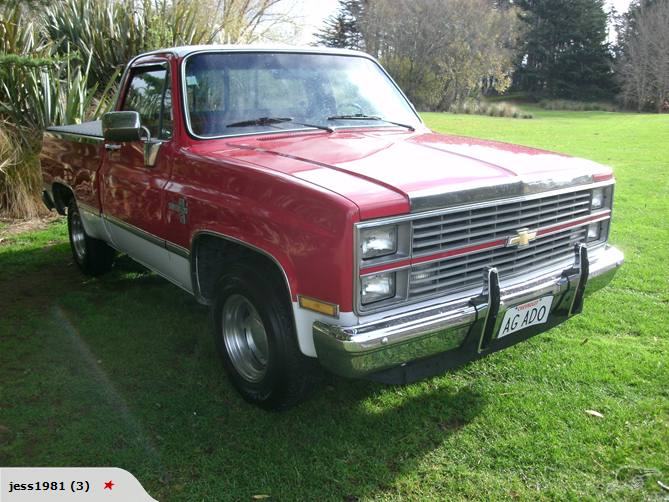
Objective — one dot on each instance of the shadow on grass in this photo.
(122, 371)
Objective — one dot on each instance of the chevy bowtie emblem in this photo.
(522, 239)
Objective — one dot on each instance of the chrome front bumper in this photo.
(450, 334)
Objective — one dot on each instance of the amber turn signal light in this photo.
(319, 306)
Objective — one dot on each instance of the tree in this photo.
(342, 29)
(565, 53)
(642, 62)
(335, 32)
(442, 51)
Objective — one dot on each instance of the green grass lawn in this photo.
(122, 371)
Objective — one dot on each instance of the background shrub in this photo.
(577, 106)
(494, 109)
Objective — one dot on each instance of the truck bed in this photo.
(91, 129)
(71, 157)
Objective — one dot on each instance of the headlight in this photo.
(593, 231)
(379, 241)
(377, 287)
(597, 198)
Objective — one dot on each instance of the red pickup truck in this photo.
(299, 194)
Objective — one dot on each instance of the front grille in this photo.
(474, 226)
(461, 273)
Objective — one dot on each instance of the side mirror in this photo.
(122, 126)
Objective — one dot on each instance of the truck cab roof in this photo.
(185, 50)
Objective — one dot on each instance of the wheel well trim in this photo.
(64, 185)
(213, 233)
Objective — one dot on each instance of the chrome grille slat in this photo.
(501, 256)
(441, 231)
(469, 258)
(453, 230)
(508, 266)
(474, 279)
(472, 226)
(495, 210)
(498, 231)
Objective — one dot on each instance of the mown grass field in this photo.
(122, 371)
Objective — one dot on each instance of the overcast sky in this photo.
(315, 12)
(620, 5)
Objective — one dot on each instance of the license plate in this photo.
(525, 315)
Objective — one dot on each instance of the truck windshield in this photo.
(242, 93)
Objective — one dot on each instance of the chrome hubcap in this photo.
(245, 338)
(78, 236)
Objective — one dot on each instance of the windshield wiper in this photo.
(263, 121)
(362, 116)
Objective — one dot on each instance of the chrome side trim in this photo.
(150, 251)
(177, 250)
(153, 239)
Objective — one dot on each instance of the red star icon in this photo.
(109, 484)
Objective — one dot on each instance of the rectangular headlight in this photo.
(378, 241)
(597, 198)
(377, 287)
(594, 229)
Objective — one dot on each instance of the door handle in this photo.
(112, 147)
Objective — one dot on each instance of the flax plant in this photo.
(60, 63)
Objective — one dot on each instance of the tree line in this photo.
(442, 52)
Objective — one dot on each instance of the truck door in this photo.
(133, 197)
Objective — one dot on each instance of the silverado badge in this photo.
(522, 238)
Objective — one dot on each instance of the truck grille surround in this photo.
(465, 272)
(445, 253)
(470, 227)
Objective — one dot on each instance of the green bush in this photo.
(495, 109)
(38, 88)
(59, 64)
(577, 106)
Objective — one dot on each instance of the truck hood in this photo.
(378, 170)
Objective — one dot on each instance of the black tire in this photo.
(92, 256)
(288, 377)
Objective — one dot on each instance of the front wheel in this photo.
(92, 256)
(254, 335)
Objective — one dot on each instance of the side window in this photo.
(149, 93)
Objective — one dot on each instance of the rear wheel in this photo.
(254, 335)
(92, 256)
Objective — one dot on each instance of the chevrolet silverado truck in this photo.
(298, 193)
